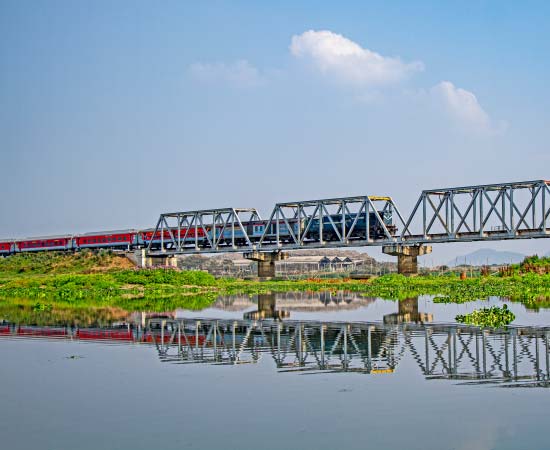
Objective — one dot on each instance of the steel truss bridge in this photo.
(514, 357)
(518, 210)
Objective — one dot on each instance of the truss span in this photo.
(517, 210)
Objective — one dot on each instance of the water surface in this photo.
(293, 371)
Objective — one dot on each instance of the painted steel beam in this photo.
(491, 212)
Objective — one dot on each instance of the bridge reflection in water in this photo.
(517, 356)
(280, 305)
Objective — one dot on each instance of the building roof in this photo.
(305, 259)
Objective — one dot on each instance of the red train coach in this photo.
(6, 247)
(188, 235)
(107, 239)
(44, 243)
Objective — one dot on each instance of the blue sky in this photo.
(112, 112)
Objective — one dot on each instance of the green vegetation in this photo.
(60, 263)
(49, 282)
(535, 264)
(494, 317)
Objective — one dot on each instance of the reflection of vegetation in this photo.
(86, 279)
(92, 312)
(488, 317)
(449, 289)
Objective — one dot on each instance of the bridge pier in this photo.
(407, 256)
(267, 309)
(407, 313)
(161, 261)
(266, 262)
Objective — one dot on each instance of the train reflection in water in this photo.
(404, 340)
(517, 356)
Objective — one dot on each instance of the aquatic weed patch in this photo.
(495, 317)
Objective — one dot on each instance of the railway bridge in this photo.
(491, 212)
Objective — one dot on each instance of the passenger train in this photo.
(135, 239)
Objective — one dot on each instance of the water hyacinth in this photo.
(494, 317)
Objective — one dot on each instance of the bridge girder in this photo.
(517, 210)
(501, 211)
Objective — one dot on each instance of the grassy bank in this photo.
(106, 280)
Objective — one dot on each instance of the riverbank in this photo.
(106, 280)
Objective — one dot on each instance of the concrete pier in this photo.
(160, 261)
(408, 313)
(267, 309)
(407, 256)
(266, 262)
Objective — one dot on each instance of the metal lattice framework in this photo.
(177, 229)
(336, 212)
(342, 216)
(518, 210)
(517, 356)
(485, 212)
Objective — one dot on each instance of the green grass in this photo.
(87, 279)
(42, 263)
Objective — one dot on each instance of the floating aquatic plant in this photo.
(494, 317)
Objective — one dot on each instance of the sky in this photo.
(114, 112)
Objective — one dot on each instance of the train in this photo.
(202, 237)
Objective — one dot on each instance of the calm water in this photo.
(296, 371)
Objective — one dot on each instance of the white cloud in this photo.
(335, 55)
(461, 105)
(239, 73)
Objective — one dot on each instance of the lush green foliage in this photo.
(47, 278)
(171, 277)
(535, 264)
(59, 262)
(488, 317)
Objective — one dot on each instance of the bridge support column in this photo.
(266, 262)
(161, 261)
(407, 256)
